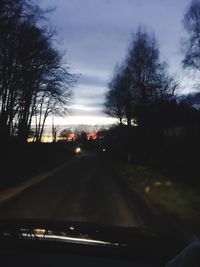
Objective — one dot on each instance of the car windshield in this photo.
(100, 113)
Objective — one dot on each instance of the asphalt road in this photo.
(86, 190)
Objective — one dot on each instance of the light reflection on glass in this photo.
(54, 235)
(68, 239)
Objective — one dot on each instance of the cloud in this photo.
(96, 32)
(89, 95)
(92, 80)
(85, 109)
(85, 120)
(96, 35)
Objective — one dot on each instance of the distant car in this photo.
(78, 150)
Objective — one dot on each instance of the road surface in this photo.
(85, 191)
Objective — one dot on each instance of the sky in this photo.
(95, 34)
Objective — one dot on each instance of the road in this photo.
(86, 190)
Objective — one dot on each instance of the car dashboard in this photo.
(71, 244)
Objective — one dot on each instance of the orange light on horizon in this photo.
(91, 136)
(71, 136)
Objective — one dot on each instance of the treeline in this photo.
(34, 81)
(142, 92)
(156, 124)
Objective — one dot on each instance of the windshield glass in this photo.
(100, 113)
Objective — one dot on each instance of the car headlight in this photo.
(78, 150)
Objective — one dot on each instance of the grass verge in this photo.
(165, 195)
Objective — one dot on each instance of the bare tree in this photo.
(118, 103)
(81, 129)
(64, 134)
(140, 81)
(150, 80)
(34, 80)
(191, 46)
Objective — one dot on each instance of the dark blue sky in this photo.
(96, 35)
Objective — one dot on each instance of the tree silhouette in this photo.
(139, 82)
(191, 46)
(33, 80)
